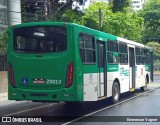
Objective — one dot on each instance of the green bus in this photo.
(58, 61)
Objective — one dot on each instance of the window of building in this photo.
(123, 53)
(87, 48)
(134, 2)
(137, 6)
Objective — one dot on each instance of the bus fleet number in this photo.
(53, 81)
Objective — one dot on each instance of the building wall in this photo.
(3, 15)
(14, 12)
(10, 13)
(3, 82)
(138, 4)
(135, 4)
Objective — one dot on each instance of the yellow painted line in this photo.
(156, 94)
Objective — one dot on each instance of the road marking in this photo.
(156, 94)
(108, 107)
(28, 110)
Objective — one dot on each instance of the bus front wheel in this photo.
(115, 92)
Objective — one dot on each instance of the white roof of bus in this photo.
(130, 42)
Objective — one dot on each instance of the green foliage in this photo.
(89, 22)
(151, 15)
(127, 25)
(120, 5)
(4, 42)
(116, 19)
(71, 16)
(51, 11)
(94, 14)
(156, 53)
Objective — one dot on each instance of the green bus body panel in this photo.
(147, 67)
(90, 68)
(53, 67)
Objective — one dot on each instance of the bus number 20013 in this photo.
(53, 81)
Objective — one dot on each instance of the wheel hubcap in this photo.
(116, 95)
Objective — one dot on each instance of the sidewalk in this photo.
(3, 82)
(4, 99)
(3, 88)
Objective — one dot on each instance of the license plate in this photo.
(39, 81)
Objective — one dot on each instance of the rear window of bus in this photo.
(40, 39)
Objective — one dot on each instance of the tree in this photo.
(72, 16)
(97, 14)
(151, 15)
(4, 42)
(127, 25)
(43, 10)
(31, 11)
(120, 5)
(156, 53)
(155, 47)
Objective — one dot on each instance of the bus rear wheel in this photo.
(144, 88)
(115, 92)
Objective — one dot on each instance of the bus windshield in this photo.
(40, 39)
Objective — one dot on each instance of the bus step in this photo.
(132, 89)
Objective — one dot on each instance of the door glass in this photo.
(101, 56)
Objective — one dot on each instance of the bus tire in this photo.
(115, 92)
(144, 88)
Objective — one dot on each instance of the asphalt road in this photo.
(147, 104)
(143, 106)
(156, 78)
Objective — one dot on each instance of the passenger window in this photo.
(87, 48)
(123, 54)
(113, 52)
(138, 56)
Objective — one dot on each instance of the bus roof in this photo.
(132, 43)
(80, 26)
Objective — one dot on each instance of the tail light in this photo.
(69, 75)
(11, 75)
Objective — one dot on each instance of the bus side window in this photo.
(138, 56)
(148, 56)
(112, 52)
(123, 53)
(87, 48)
(110, 57)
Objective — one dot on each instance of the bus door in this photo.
(102, 74)
(132, 68)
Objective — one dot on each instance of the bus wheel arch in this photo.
(115, 91)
